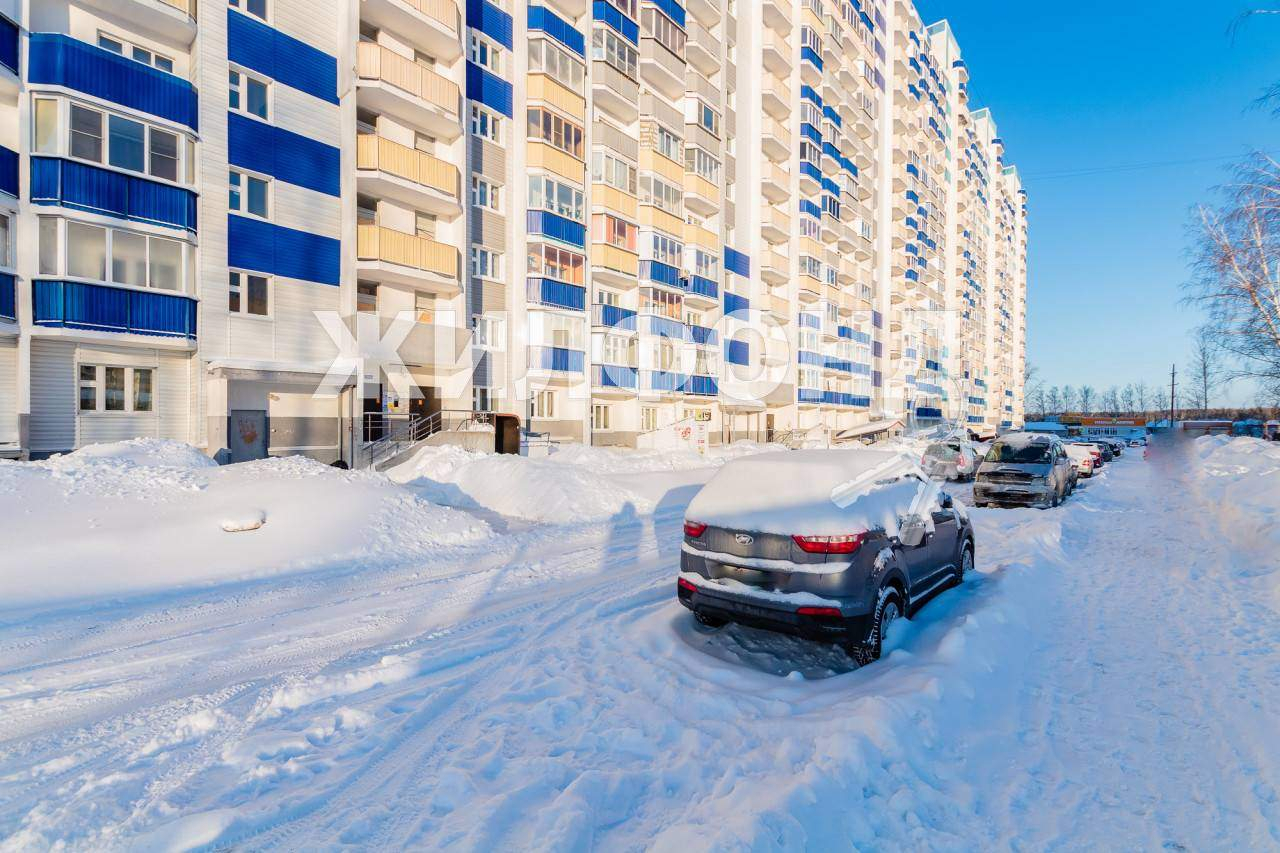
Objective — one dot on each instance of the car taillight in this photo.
(694, 529)
(685, 586)
(819, 611)
(829, 544)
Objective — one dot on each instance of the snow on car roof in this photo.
(1023, 439)
(811, 492)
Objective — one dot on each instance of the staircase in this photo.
(398, 436)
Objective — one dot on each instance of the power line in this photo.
(1130, 167)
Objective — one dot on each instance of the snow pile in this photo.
(815, 492)
(146, 516)
(1241, 480)
(574, 483)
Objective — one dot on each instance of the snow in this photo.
(153, 516)
(811, 492)
(1105, 678)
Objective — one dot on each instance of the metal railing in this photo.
(388, 435)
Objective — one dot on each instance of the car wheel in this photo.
(966, 562)
(1056, 498)
(709, 621)
(889, 608)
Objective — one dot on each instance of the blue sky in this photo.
(1100, 85)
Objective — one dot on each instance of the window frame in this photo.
(494, 264)
(242, 291)
(486, 124)
(491, 190)
(485, 52)
(132, 49)
(242, 6)
(129, 389)
(246, 177)
(61, 109)
(241, 90)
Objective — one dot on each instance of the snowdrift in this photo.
(146, 515)
(1241, 480)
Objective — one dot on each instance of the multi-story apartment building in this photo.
(605, 217)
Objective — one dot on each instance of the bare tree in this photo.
(1087, 399)
(1053, 399)
(1035, 401)
(1111, 401)
(1207, 371)
(1070, 399)
(1128, 398)
(1237, 272)
(1033, 389)
(1142, 398)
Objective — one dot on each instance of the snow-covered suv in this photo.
(1024, 468)
(825, 544)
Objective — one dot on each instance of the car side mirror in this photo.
(947, 503)
(911, 532)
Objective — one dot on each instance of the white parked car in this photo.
(952, 459)
(1082, 457)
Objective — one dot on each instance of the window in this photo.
(485, 193)
(246, 94)
(708, 119)
(543, 404)
(665, 250)
(86, 133)
(648, 419)
(667, 143)
(557, 131)
(701, 163)
(486, 263)
(139, 54)
(86, 251)
(551, 194)
(248, 294)
(706, 264)
(607, 228)
(116, 255)
(163, 155)
(607, 168)
(126, 143)
(106, 388)
(486, 124)
(257, 8)
(600, 417)
(553, 262)
(662, 195)
(48, 235)
(549, 58)
(366, 297)
(6, 246)
(247, 194)
(485, 53)
(489, 332)
(618, 349)
(46, 126)
(424, 308)
(664, 31)
(481, 399)
(615, 50)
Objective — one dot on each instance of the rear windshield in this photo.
(942, 451)
(1019, 453)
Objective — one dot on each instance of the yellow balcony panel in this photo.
(540, 155)
(543, 88)
(700, 195)
(655, 218)
(652, 161)
(387, 169)
(612, 258)
(392, 84)
(810, 246)
(700, 236)
(431, 25)
(395, 257)
(615, 200)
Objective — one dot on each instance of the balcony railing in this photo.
(104, 308)
(555, 294)
(378, 243)
(557, 359)
(375, 62)
(8, 296)
(444, 12)
(613, 376)
(613, 317)
(382, 154)
(97, 190)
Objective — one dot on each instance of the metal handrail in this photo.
(398, 433)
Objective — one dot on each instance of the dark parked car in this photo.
(826, 544)
(1031, 469)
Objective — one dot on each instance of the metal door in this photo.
(247, 435)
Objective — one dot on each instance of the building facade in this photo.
(260, 226)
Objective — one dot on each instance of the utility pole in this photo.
(1173, 385)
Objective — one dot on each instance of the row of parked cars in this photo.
(836, 545)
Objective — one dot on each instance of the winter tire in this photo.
(966, 562)
(888, 609)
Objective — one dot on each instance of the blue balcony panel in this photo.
(704, 287)
(737, 352)
(877, 379)
(104, 308)
(556, 294)
(487, 88)
(808, 54)
(976, 419)
(737, 262)
(82, 186)
(253, 244)
(489, 19)
(556, 227)
(703, 335)
(283, 58)
(283, 154)
(615, 317)
(659, 380)
(665, 327)
(614, 376)
(733, 303)
(8, 296)
(810, 321)
(557, 359)
(809, 395)
(608, 14)
(672, 10)
(703, 386)
(660, 273)
(58, 60)
(8, 171)
(544, 20)
(928, 412)
(804, 356)
(8, 44)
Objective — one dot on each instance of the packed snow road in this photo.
(1106, 680)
